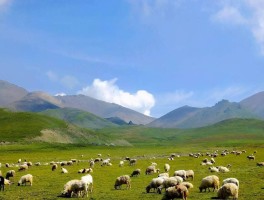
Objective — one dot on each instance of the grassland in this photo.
(22, 136)
(48, 184)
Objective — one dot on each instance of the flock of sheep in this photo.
(176, 186)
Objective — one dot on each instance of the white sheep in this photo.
(91, 163)
(168, 182)
(125, 179)
(187, 184)
(121, 163)
(181, 173)
(223, 169)
(64, 171)
(165, 174)
(213, 169)
(209, 182)
(150, 170)
(23, 167)
(24, 179)
(88, 179)
(178, 191)
(231, 180)
(166, 167)
(155, 183)
(227, 190)
(75, 187)
(190, 173)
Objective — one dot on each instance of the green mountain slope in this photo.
(32, 127)
(78, 117)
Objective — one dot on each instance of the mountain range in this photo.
(91, 113)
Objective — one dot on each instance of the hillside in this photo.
(79, 118)
(10, 93)
(189, 117)
(32, 127)
(35, 102)
(104, 109)
(255, 104)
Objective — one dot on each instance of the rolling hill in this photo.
(79, 118)
(27, 127)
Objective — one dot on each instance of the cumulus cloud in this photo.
(141, 101)
(249, 13)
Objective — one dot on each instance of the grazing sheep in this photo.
(75, 187)
(228, 190)
(91, 163)
(125, 179)
(88, 179)
(260, 164)
(187, 184)
(155, 183)
(231, 180)
(121, 163)
(10, 173)
(189, 173)
(150, 170)
(163, 174)
(251, 157)
(209, 182)
(213, 169)
(98, 160)
(223, 169)
(168, 182)
(26, 178)
(135, 173)
(106, 162)
(23, 167)
(7, 182)
(7, 165)
(181, 173)
(2, 183)
(132, 162)
(54, 167)
(154, 164)
(64, 171)
(179, 191)
(166, 167)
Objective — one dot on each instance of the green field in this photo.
(38, 138)
(49, 184)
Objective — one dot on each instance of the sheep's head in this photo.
(148, 189)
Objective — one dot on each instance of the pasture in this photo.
(48, 184)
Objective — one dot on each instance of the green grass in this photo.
(48, 184)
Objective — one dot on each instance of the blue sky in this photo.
(152, 56)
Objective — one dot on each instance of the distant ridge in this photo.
(189, 117)
(104, 109)
(10, 93)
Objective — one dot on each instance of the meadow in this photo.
(49, 184)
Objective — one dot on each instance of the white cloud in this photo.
(249, 13)
(141, 101)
